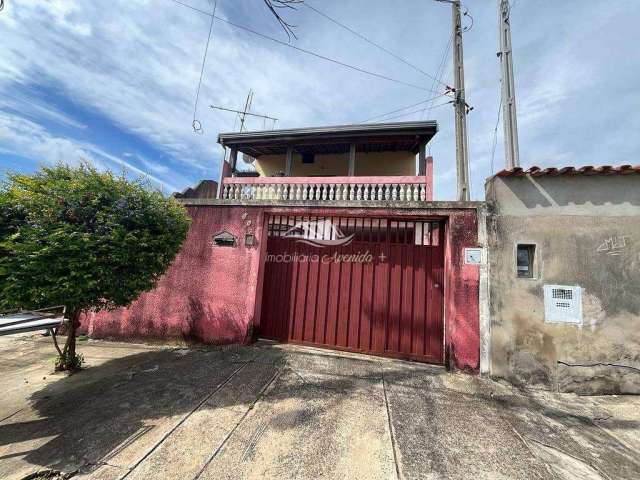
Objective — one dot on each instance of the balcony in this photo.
(328, 189)
(345, 164)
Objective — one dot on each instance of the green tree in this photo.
(84, 239)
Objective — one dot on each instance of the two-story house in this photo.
(334, 241)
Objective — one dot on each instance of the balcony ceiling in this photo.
(376, 137)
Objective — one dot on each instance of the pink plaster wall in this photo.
(213, 294)
(208, 292)
(462, 312)
(429, 177)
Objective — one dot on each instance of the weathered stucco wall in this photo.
(587, 233)
(213, 294)
(462, 312)
(208, 294)
(367, 164)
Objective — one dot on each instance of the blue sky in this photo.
(115, 86)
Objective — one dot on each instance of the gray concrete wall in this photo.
(587, 233)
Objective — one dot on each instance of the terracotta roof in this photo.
(569, 171)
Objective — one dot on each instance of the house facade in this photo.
(334, 242)
(565, 278)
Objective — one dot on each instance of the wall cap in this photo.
(436, 204)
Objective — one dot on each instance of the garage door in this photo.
(371, 285)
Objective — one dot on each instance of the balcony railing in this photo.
(319, 189)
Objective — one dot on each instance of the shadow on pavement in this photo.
(92, 417)
(87, 418)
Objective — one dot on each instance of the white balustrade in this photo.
(383, 191)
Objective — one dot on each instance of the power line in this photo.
(191, 7)
(441, 66)
(371, 42)
(406, 114)
(461, 106)
(196, 125)
(495, 135)
(466, 14)
(329, 59)
(403, 108)
(308, 52)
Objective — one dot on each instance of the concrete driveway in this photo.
(272, 411)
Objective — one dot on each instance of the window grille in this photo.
(378, 230)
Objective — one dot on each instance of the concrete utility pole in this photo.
(462, 145)
(509, 122)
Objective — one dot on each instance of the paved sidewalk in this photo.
(275, 411)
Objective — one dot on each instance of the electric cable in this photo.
(418, 111)
(371, 42)
(308, 52)
(403, 108)
(495, 134)
(196, 125)
(441, 66)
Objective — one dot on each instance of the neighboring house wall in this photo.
(586, 231)
(374, 163)
(213, 294)
(205, 189)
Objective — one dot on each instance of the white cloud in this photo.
(137, 63)
(66, 15)
(154, 166)
(35, 109)
(27, 139)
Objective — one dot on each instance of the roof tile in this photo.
(585, 171)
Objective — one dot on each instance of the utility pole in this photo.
(461, 107)
(509, 121)
(460, 104)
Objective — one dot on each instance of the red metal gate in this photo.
(372, 285)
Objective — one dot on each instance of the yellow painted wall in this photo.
(385, 163)
(367, 164)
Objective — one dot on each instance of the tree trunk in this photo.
(68, 358)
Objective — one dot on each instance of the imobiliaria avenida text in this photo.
(356, 257)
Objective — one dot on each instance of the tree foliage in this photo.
(85, 239)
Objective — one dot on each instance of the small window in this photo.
(524, 260)
(308, 158)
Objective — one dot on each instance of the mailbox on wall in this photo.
(224, 239)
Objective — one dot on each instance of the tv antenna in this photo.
(242, 114)
(245, 112)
